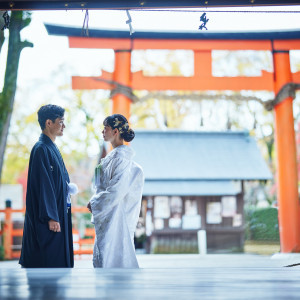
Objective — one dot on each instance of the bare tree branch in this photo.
(25, 44)
(7, 97)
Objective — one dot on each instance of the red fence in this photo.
(81, 246)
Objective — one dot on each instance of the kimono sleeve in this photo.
(44, 184)
(103, 202)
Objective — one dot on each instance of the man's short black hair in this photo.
(49, 112)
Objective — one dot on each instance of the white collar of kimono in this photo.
(120, 151)
(124, 150)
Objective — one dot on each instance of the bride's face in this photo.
(108, 133)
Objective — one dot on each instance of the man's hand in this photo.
(54, 226)
(89, 207)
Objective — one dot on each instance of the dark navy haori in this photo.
(46, 199)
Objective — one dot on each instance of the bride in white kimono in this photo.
(116, 204)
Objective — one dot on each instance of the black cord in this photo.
(6, 18)
(85, 26)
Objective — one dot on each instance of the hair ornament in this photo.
(117, 122)
(121, 127)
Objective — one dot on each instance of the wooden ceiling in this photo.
(142, 4)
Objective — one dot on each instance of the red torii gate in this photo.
(202, 43)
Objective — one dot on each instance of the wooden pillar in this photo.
(287, 192)
(122, 74)
(203, 64)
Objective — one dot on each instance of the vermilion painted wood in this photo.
(286, 44)
(287, 194)
(195, 83)
(170, 44)
(122, 74)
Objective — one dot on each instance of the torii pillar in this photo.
(287, 193)
(122, 74)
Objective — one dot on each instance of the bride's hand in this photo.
(89, 207)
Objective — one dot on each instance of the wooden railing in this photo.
(81, 246)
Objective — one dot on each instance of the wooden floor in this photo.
(160, 277)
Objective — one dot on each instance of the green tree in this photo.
(18, 21)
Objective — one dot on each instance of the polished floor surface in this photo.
(160, 277)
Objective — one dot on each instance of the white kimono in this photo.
(115, 207)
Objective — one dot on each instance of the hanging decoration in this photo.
(204, 20)
(120, 89)
(201, 96)
(129, 21)
(201, 116)
(228, 123)
(254, 121)
(166, 113)
(6, 18)
(288, 90)
(85, 26)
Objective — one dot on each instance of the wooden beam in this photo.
(296, 77)
(92, 83)
(141, 82)
(130, 4)
(286, 44)
(171, 44)
(144, 44)
(99, 43)
(195, 83)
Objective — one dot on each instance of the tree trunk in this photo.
(1, 38)
(7, 97)
(1, 32)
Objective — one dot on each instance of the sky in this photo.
(51, 61)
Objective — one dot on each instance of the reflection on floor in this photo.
(160, 277)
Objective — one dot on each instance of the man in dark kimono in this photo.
(47, 237)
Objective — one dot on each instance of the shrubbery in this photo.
(262, 224)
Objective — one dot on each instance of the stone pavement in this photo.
(213, 276)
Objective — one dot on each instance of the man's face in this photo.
(108, 133)
(57, 128)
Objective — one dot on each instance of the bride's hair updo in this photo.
(120, 122)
